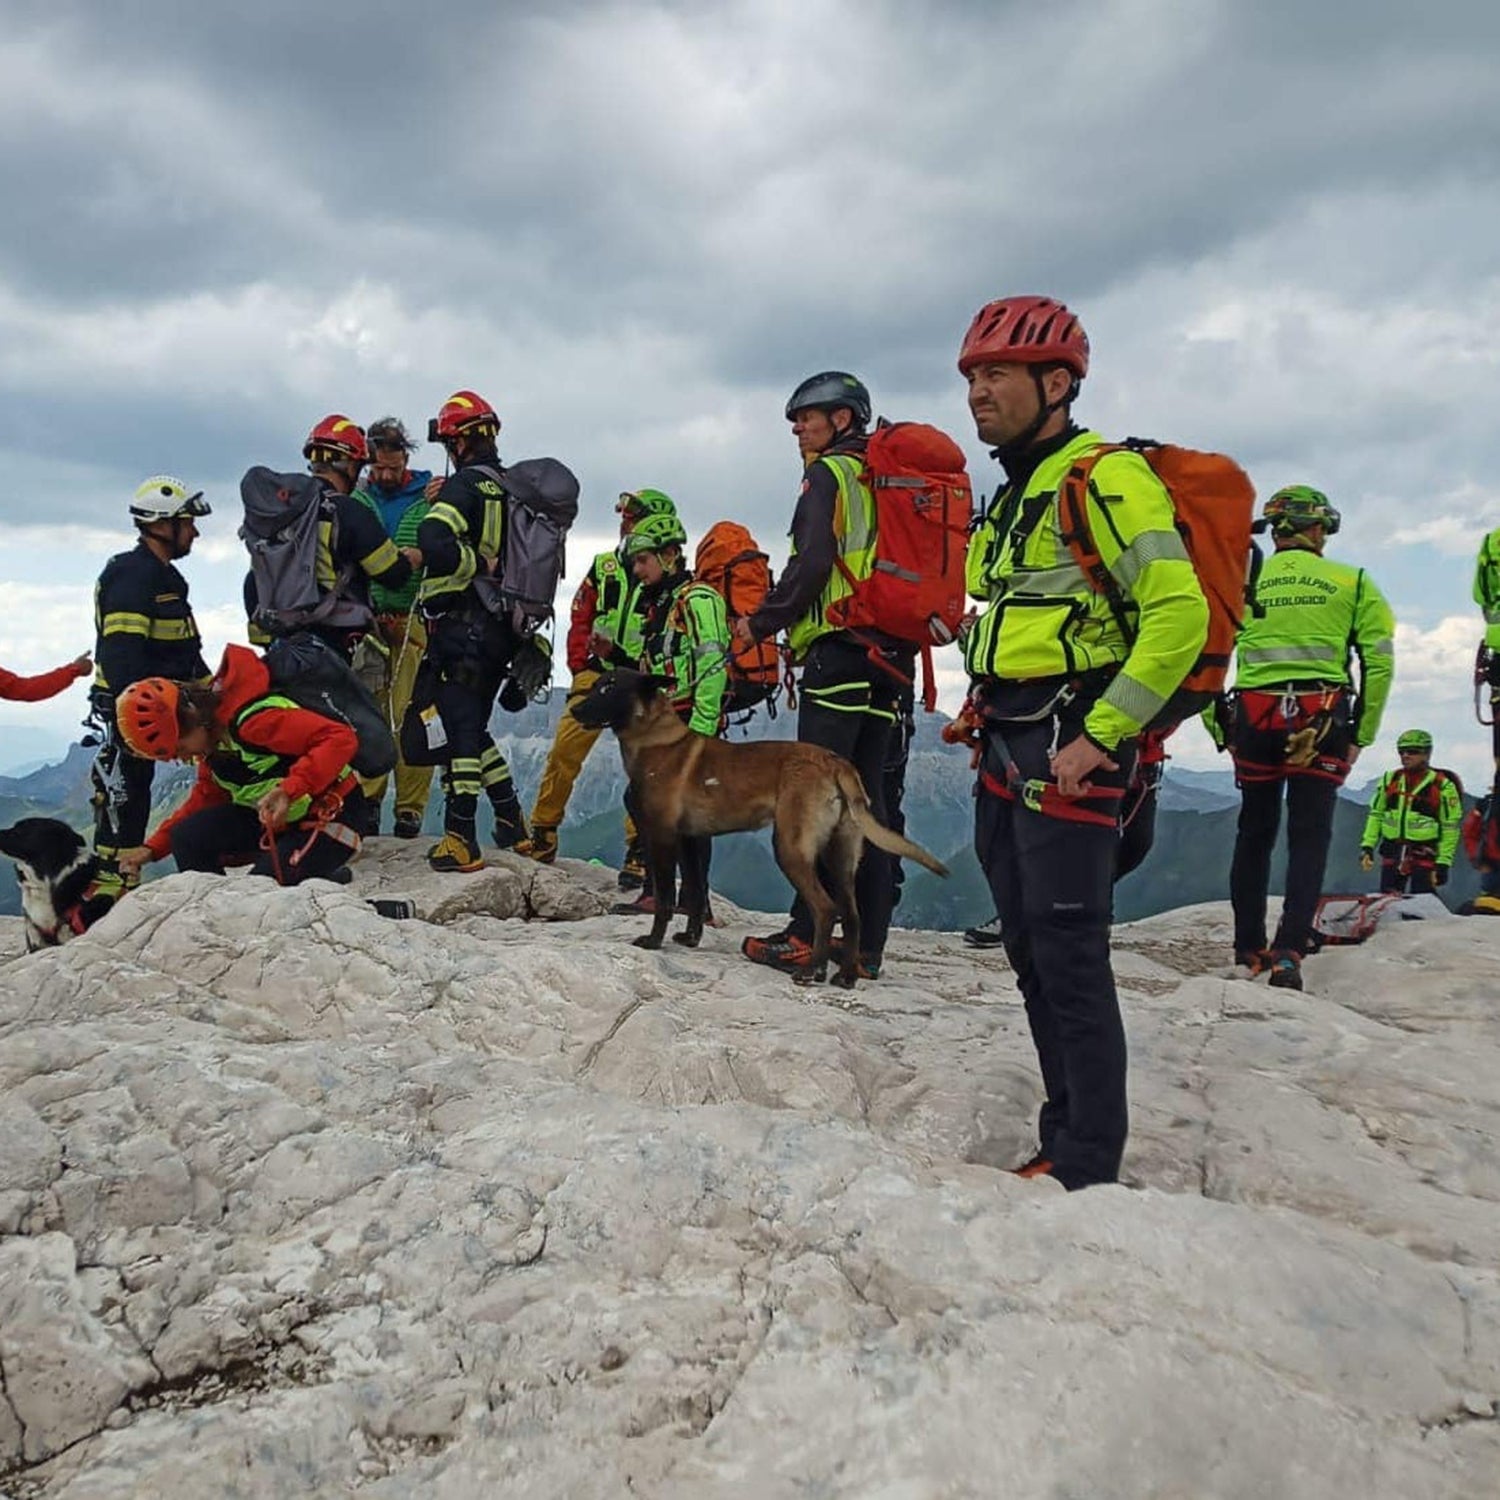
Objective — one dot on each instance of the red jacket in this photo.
(34, 689)
(321, 748)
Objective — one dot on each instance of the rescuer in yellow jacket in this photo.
(1416, 813)
(1063, 691)
(1487, 597)
(1297, 720)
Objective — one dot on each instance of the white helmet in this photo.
(163, 498)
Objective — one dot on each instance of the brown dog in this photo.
(684, 785)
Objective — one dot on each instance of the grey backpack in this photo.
(541, 503)
(283, 513)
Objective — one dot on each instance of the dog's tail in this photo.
(851, 788)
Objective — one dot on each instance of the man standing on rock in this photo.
(1295, 722)
(1063, 692)
(1415, 817)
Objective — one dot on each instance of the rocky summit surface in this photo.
(296, 1200)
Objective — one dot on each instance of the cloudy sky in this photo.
(634, 227)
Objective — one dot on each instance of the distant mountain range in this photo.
(1190, 862)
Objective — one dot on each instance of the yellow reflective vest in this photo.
(854, 534)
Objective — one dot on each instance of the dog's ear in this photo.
(10, 841)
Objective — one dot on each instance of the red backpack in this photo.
(729, 561)
(1481, 836)
(923, 506)
(1215, 504)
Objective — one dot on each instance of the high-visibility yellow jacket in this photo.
(1423, 807)
(1312, 614)
(1045, 620)
(1487, 587)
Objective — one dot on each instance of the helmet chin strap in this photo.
(1028, 435)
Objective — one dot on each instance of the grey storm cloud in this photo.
(641, 223)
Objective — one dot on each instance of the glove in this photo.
(1367, 859)
(531, 667)
(1440, 875)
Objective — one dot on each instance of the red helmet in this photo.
(336, 438)
(1025, 330)
(462, 414)
(146, 716)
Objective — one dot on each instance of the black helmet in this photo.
(830, 390)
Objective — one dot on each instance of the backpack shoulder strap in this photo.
(1078, 534)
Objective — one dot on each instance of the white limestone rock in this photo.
(336, 1204)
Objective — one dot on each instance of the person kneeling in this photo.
(274, 787)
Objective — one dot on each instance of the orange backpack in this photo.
(1215, 503)
(729, 561)
(923, 506)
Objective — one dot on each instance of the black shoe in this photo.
(512, 830)
(408, 825)
(985, 935)
(1286, 970)
(632, 876)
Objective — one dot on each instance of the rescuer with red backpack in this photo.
(850, 677)
(1066, 675)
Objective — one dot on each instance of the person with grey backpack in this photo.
(314, 549)
(491, 547)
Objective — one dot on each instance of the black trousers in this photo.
(471, 651)
(851, 706)
(1050, 865)
(1416, 879)
(1492, 672)
(1138, 820)
(128, 828)
(216, 837)
(1310, 801)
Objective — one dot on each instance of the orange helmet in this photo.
(336, 440)
(146, 716)
(463, 414)
(1025, 330)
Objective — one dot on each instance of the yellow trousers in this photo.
(570, 748)
(413, 783)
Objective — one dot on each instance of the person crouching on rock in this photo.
(274, 791)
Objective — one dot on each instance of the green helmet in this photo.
(654, 533)
(1298, 507)
(1415, 739)
(644, 503)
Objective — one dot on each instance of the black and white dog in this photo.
(55, 869)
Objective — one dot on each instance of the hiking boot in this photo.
(868, 966)
(1286, 970)
(1257, 960)
(453, 852)
(782, 952)
(1039, 1166)
(510, 830)
(408, 825)
(1486, 906)
(985, 935)
(632, 873)
(541, 846)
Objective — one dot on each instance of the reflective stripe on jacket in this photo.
(1311, 614)
(854, 534)
(687, 641)
(1043, 618)
(1423, 808)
